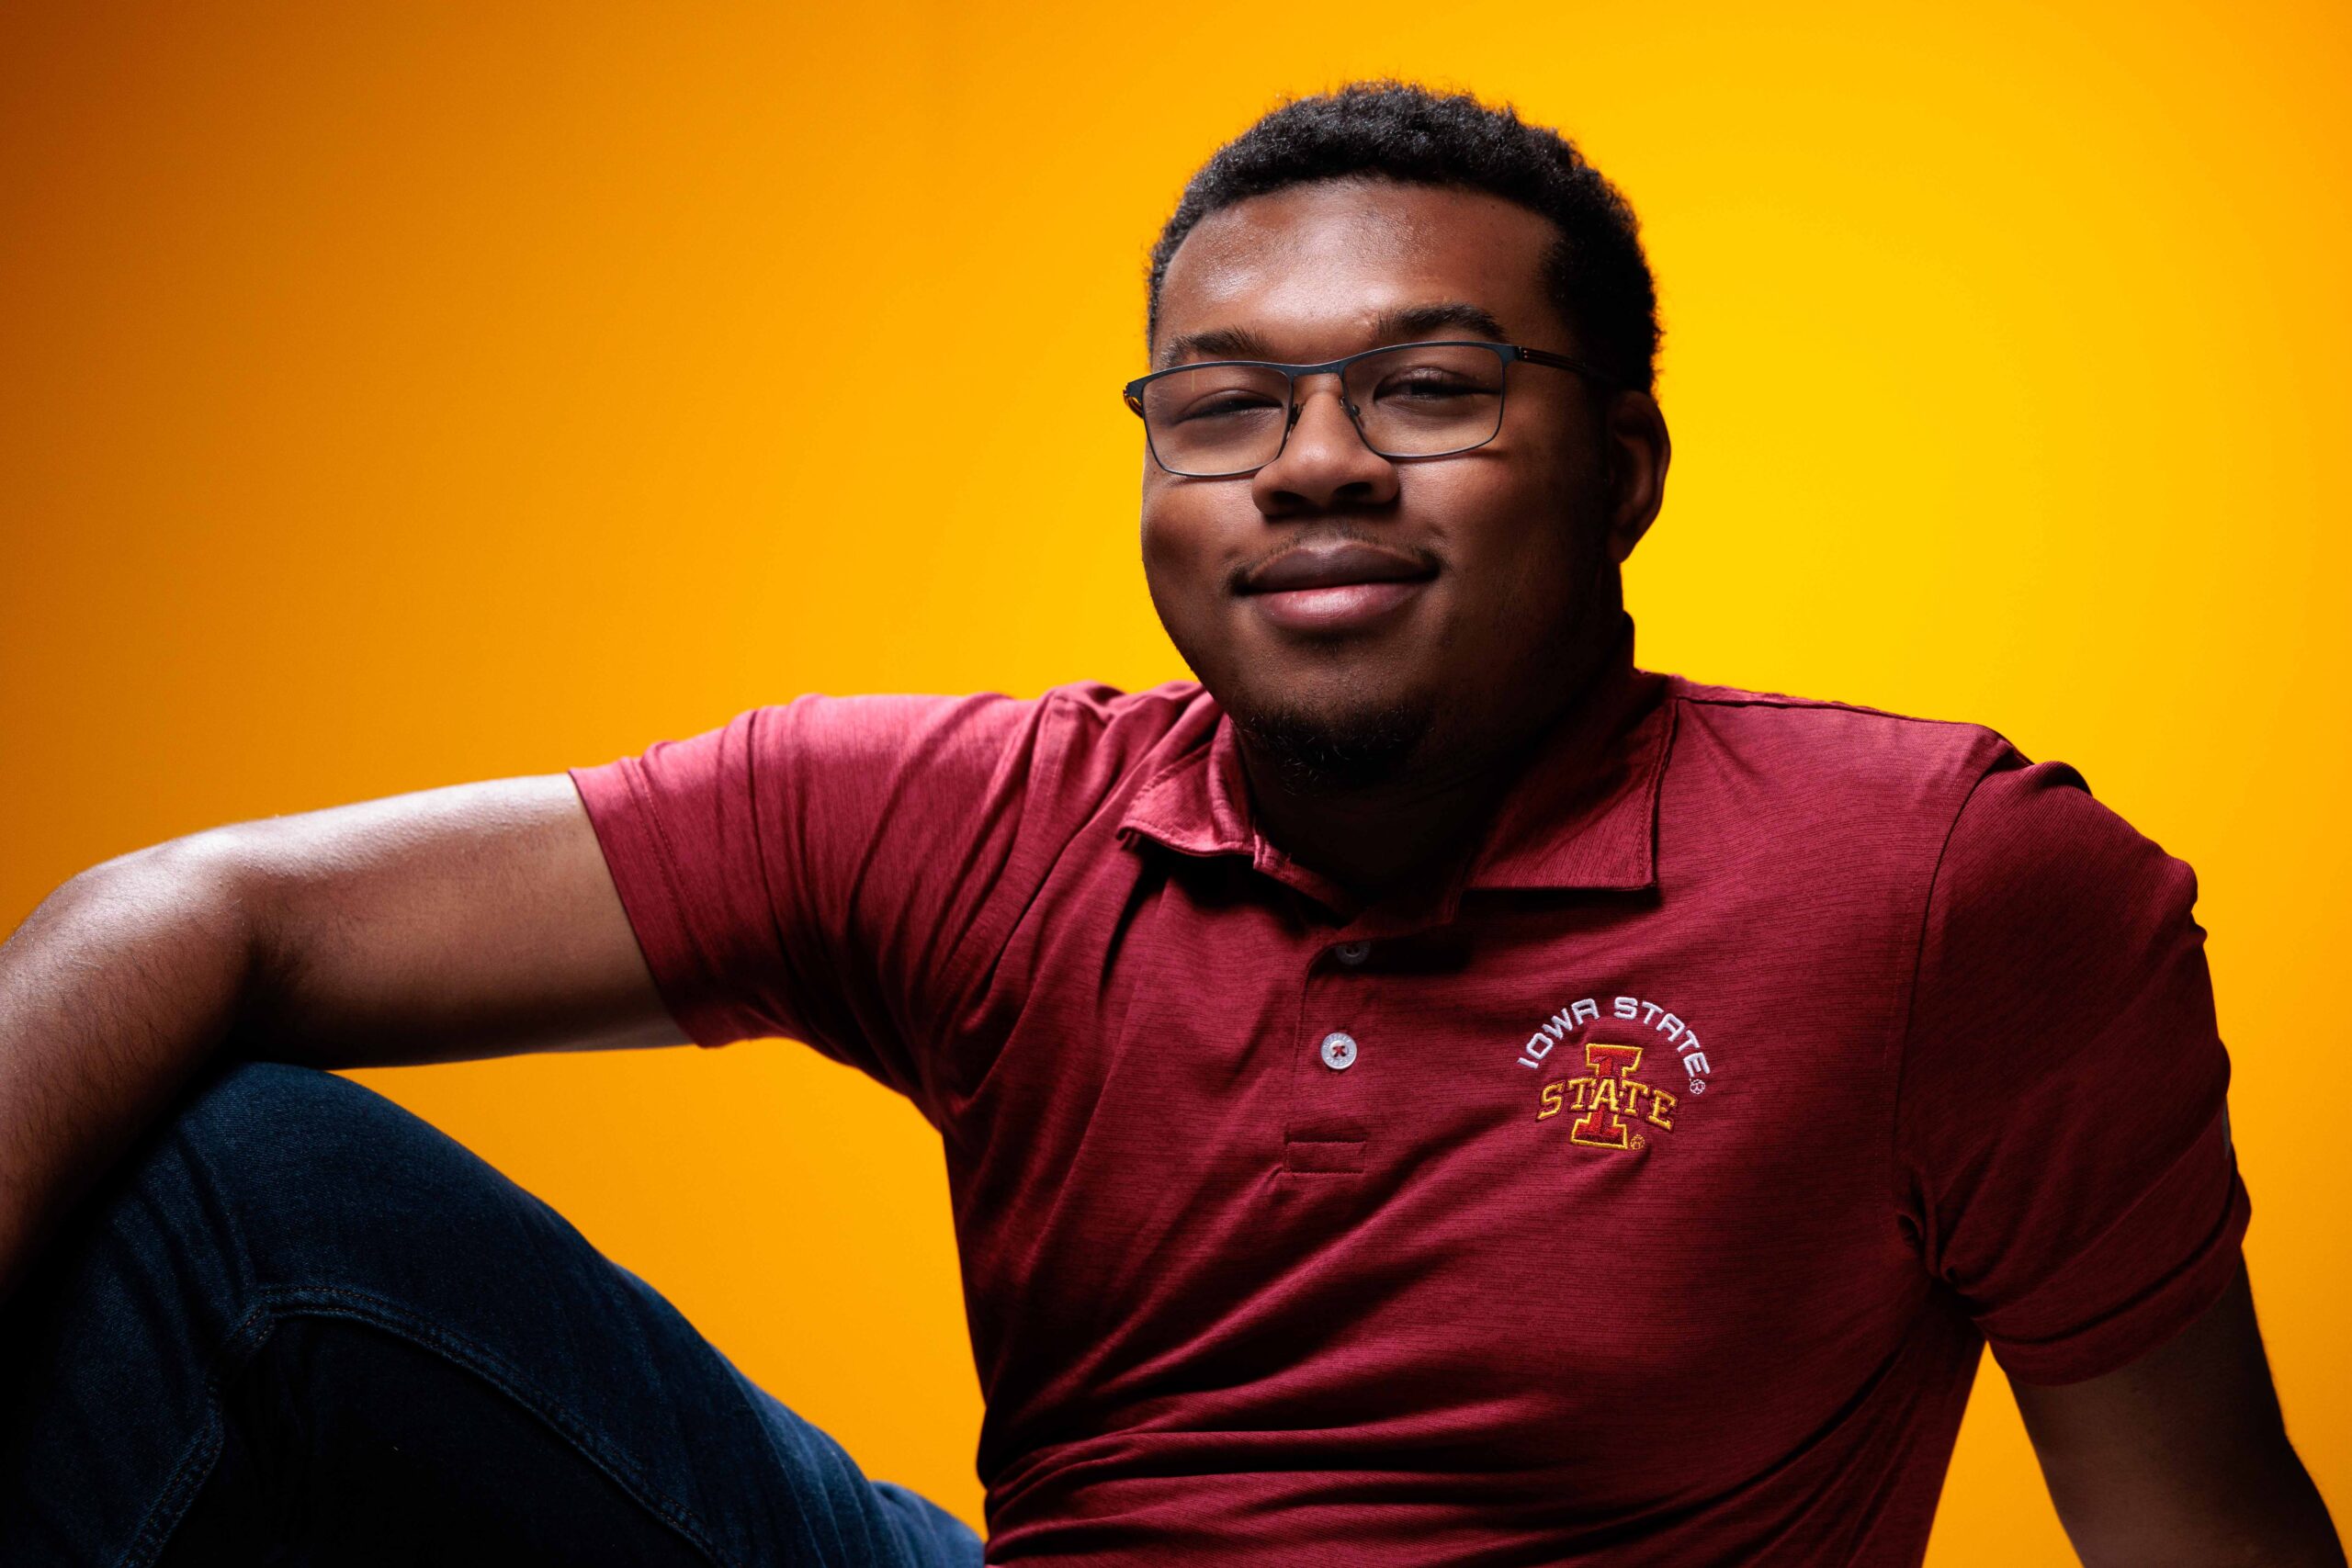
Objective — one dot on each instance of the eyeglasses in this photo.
(1225, 417)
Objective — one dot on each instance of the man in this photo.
(1431, 1091)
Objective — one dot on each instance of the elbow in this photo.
(205, 879)
(189, 905)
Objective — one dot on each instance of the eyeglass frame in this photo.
(1509, 353)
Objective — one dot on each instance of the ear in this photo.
(1636, 452)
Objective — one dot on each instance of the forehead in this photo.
(1306, 267)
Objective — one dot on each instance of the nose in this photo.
(1324, 464)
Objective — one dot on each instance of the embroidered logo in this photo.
(1612, 1107)
(1609, 1099)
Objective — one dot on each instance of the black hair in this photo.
(1398, 130)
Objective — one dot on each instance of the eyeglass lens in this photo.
(1413, 400)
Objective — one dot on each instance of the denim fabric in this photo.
(298, 1325)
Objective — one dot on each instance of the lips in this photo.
(1324, 590)
(1333, 566)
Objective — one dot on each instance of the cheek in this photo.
(1179, 556)
(1164, 542)
(1507, 530)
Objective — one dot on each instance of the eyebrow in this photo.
(1402, 324)
(1217, 343)
(1421, 320)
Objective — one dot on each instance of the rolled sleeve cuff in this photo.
(2103, 1334)
(645, 874)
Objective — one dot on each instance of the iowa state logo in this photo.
(1612, 1107)
(1611, 1104)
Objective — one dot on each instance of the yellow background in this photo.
(394, 395)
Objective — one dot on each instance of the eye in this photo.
(1429, 382)
(1224, 405)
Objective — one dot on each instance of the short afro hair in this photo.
(1398, 130)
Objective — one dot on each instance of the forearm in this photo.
(116, 989)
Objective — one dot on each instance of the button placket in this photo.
(1334, 1079)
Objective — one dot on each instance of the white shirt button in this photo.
(1339, 1051)
(1352, 952)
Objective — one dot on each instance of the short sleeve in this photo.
(833, 869)
(2062, 1129)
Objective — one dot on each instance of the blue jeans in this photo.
(298, 1325)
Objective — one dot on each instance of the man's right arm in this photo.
(478, 921)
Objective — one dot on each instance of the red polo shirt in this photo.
(1640, 1191)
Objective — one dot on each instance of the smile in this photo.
(1336, 587)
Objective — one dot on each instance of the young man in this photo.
(1432, 1091)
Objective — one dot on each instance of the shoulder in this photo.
(2003, 807)
(1046, 765)
(1809, 763)
(2000, 837)
(1087, 730)
(1820, 739)
(1083, 724)
(2039, 873)
(1104, 710)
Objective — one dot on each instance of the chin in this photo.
(1325, 747)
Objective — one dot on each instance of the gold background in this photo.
(395, 395)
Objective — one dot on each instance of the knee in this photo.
(258, 1169)
(265, 1132)
(269, 1116)
(278, 1171)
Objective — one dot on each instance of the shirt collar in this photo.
(1582, 813)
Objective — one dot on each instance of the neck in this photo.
(1375, 840)
(1370, 840)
